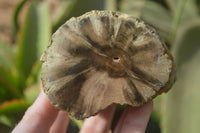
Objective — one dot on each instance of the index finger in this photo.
(38, 118)
(134, 119)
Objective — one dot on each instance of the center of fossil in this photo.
(116, 59)
(118, 62)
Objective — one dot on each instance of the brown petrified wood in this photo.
(105, 57)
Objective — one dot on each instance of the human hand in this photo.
(42, 117)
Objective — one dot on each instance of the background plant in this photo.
(33, 22)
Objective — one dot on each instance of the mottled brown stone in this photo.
(105, 57)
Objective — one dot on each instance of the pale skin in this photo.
(42, 117)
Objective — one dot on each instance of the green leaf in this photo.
(132, 7)
(5, 120)
(14, 110)
(110, 5)
(64, 12)
(6, 56)
(182, 10)
(190, 9)
(172, 4)
(73, 8)
(13, 106)
(32, 92)
(177, 19)
(16, 15)
(4, 128)
(33, 39)
(34, 76)
(157, 16)
(182, 109)
(157, 108)
(8, 86)
(198, 4)
(79, 123)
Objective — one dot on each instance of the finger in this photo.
(134, 119)
(38, 118)
(60, 124)
(99, 123)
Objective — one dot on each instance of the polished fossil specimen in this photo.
(105, 57)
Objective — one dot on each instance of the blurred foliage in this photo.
(177, 21)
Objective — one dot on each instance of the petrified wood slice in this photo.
(105, 57)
